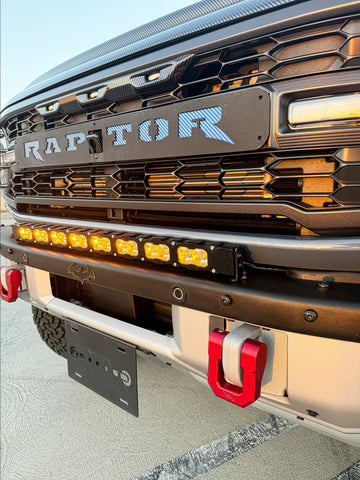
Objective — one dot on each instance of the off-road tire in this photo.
(51, 329)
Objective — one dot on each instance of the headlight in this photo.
(325, 111)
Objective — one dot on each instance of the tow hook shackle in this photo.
(253, 356)
(10, 283)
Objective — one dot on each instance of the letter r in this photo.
(205, 119)
(33, 148)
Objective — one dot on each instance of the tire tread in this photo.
(51, 330)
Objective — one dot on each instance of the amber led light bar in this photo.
(201, 256)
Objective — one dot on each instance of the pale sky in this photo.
(39, 34)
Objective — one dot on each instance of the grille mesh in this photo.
(305, 180)
(303, 51)
(318, 49)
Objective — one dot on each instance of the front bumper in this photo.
(308, 379)
(267, 298)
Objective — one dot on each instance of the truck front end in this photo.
(190, 191)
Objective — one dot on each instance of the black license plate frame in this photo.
(103, 363)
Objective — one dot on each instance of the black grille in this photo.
(290, 54)
(303, 51)
(321, 181)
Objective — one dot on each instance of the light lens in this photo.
(25, 233)
(127, 247)
(153, 76)
(324, 111)
(58, 238)
(100, 243)
(157, 252)
(184, 255)
(193, 256)
(78, 240)
(41, 235)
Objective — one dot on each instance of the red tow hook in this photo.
(13, 279)
(252, 361)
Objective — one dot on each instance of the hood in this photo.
(188, 22)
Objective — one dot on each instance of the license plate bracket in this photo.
(104, 364)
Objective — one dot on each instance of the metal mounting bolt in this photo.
(323, 285)
(10, 251)
(310, 315)
(179, 293)
(226, 300)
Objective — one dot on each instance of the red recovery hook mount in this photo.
(252, 361)
(13, 278)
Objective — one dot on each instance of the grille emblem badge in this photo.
(82, 273)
